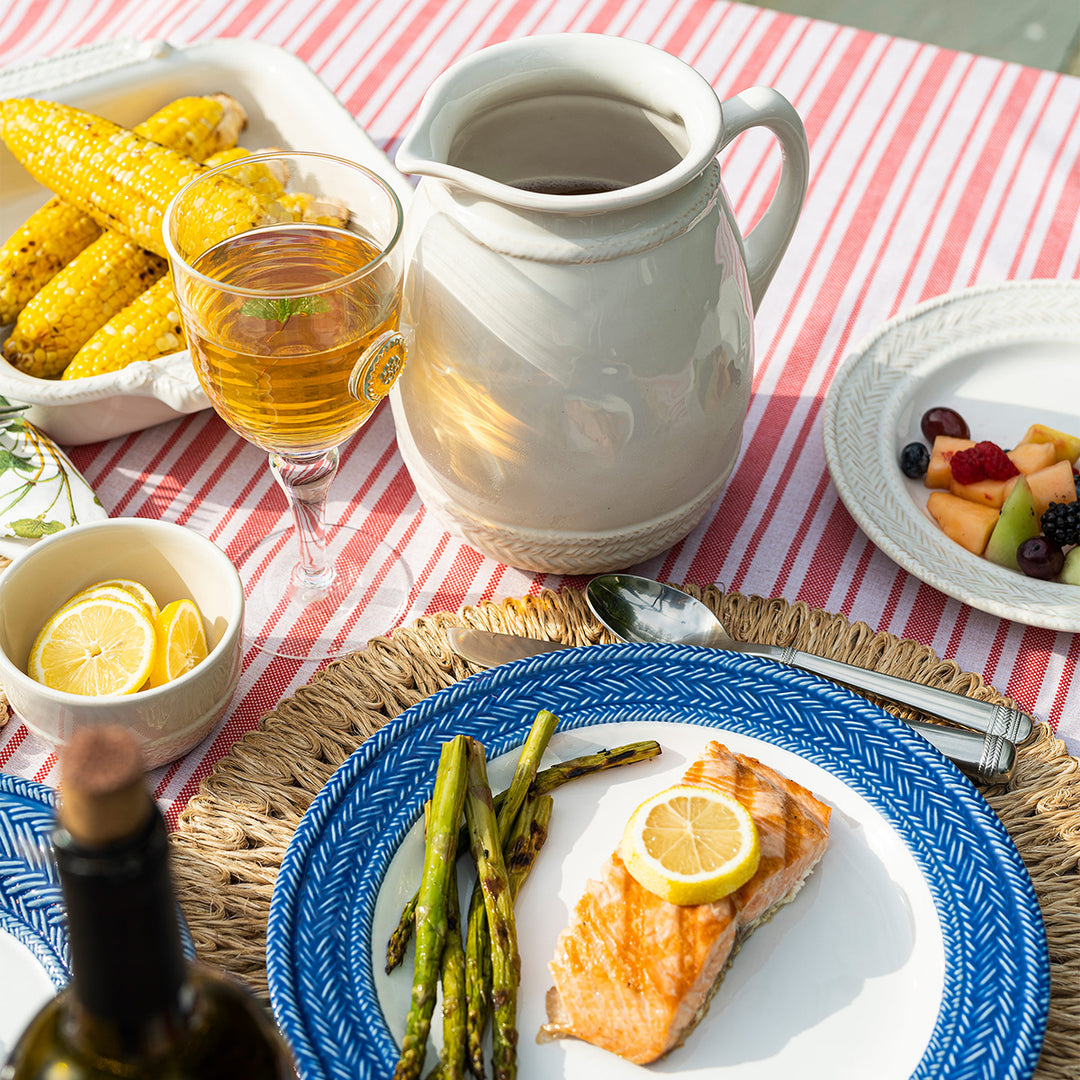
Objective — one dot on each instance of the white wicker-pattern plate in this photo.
(1005, 357)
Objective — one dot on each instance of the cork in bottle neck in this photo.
(104, 798)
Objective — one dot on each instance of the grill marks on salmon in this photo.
(633, 973)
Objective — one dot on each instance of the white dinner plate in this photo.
(889, 964)
(1005, 357)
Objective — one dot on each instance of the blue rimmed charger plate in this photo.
(32, 907)
(916, 948)
(33, 941)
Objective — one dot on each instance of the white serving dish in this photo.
(125, 81)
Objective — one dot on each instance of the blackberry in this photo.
(1061, 523)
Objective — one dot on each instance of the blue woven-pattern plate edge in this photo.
(31, 899)
(993, 1011)
(31, 904)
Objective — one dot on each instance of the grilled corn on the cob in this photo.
(147, 328)
(197, 126)
(112, 271)
(271, 177)
(268, 178)
(119, 178)
(49, 239)
(58, 231)
(94, 286)
(317, 209)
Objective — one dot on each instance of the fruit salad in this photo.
(1017, 507)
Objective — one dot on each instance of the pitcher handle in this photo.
(767, 241)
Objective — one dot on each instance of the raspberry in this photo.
(996, 462)
(1061, 523)
(966, 467)
(983, 461)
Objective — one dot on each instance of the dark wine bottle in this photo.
(135, 1007)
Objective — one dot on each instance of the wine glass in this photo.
(288, 276)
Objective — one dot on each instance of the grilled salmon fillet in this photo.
(634, 973)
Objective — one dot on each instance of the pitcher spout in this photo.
(566, 123)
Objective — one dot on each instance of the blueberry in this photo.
(914, 459)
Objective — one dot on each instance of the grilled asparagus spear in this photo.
(440, 852)
(498, 904)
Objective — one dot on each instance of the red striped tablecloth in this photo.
(930, 171)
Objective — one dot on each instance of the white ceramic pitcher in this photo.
(579, 299)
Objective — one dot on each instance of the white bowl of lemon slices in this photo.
(124, 621)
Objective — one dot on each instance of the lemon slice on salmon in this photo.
(95, 645)
(691, 845)
(181, 641)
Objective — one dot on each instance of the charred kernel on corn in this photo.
(119, 178)
(58, 231)
(93, 287)
(147, 328)
(49, 239)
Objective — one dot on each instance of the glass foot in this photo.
(369, 593)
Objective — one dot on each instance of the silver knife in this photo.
(987, 757)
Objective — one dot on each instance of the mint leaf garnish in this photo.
(283, 308)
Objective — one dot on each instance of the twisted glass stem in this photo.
(306, 482)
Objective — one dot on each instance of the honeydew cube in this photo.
(968, 523)
(1070, 572)
(1016, 523)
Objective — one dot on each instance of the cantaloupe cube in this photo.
(1066, 447)
(1030, 457)
(1052, 484)
(968, 523)
(939, 471)
(984, 492)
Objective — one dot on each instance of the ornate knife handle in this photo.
(1009, 724)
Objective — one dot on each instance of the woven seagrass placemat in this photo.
(232, 835)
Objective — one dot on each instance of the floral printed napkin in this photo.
(41, 492)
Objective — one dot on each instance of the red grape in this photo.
(942, 420)
(1039, 557)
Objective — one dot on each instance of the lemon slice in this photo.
(118, 590)
(134, 588)
(691, 845)
(181, 641)
(95, 645)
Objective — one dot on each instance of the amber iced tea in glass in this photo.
(288, 272)
(277, 369)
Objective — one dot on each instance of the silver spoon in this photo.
(636, 609)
